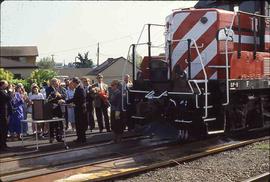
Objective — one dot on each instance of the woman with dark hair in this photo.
(117, 123)
(17, 115)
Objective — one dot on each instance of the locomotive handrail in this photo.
(196, 84)
(205, 81)
(150, 94)
(227, 63)
(252, 14)
(123, 74)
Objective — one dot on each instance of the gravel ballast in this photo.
(234, 165)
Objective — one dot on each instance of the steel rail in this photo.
(32, 153)
(181, 159)
(47, 170)
(158, 158)
(259, 178)
(27, 163)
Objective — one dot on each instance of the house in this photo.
(20, 60)
(112, 69)
(73, 72)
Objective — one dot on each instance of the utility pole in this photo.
(98, 54)
(52, 57)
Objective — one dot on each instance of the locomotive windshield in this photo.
(260, 7)
(158, 70)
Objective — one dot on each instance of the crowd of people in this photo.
(76, 100)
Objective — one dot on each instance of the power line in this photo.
(91, 45)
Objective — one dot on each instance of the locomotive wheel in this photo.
(244, 113)
(237, 113)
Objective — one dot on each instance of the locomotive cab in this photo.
(158, 70)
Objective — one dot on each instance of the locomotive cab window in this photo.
(158, 70)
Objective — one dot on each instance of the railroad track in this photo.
(45, 147)
(43, 163)
(265, 177)
(137, 162)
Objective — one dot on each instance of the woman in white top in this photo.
(70, 108)
(35, 95)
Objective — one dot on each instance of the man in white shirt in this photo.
(101, 103)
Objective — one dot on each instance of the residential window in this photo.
(22, 59)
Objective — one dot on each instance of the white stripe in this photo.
(207, 55)
(177, 21)
(214, 76)
(267, 38)
(197, 30)
(245, 39)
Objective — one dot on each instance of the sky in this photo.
(64, 28)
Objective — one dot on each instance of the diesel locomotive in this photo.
(215, 74)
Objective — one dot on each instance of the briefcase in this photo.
(42, 110)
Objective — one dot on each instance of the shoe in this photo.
(51, 140)
(100, 131)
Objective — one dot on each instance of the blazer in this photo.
(50, 94)
(97, 99)
(53, 99)
(79, 99)
(116, 100)
(5, 98)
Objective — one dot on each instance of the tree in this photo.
(70, 65)
(5, 75)
(138, 58)
(41, 75)
(46, 63)
(8, 76)
(85, 62)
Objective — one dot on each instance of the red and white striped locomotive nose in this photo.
(199, 25)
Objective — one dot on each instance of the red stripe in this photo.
(187, 25)
(206, 39)
(245, 21)
(209, 71)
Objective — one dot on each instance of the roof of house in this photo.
(106, 64)
(10, 63)
(12, 51)
(73, 72)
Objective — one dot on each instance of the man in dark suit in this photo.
(5, 98)
(101, 94)
(80, 110)
(89, 102)
(56, 95)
